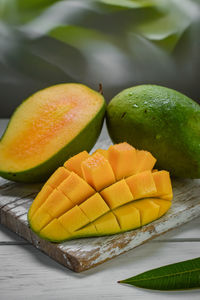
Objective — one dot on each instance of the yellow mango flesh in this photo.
(57, 204)
(76, 189)
(128, 217)
(58, 176)
(147, 188)
(149, 210)
(117, 194)
(74, 219)
(163, 184)
(40, 199)
(74, 163)
(102, 152)
(122, 158)
(145, 161)
(107, 224)
(94, 207)
(54, 231)
(94, 169)
(88, 200)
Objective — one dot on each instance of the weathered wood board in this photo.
(82, 254)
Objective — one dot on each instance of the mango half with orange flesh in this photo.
(48, 128)
(101, 194)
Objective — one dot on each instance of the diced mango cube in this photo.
(128, 217)
(88, 230)
(107, 224)
(102, 152)
(57, 203)
(39, 200)
(40, 219)
(163, 183)
(76, 189)
(74, 163)
(54, 232)
(97, 171)
(74, 219)
(122, 158)
(141, 185)
(149, 210)
(94, 207)
(145, 161)
(117, 194)
(57, 177)
(164, 205)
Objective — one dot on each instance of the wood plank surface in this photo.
(80, 255)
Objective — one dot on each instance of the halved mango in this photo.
(98, 172)
(122, 158)
(48, 128)
(96, 204)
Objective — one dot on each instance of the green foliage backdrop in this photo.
(118, 43)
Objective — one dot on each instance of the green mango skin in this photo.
(162, 121)
(85, 140)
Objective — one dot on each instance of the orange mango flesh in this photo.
(147, 188)
(58, 176)
(75, 188)
(117, 194)
(94, 170)
(74, 163)
(45, 123)
(122, 158)
(88, 200)
(102, 152)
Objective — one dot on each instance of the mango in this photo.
(101, 194)
(49, 127)
(162, 121)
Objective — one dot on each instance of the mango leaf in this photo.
(178, 276)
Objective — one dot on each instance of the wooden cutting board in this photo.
(83, 254)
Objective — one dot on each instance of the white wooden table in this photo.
(26, 273)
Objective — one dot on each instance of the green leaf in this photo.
(178, 276)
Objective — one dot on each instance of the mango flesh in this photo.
(49, 127)
(93, 202)
(162, 121)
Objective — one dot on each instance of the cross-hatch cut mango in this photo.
(107, 192)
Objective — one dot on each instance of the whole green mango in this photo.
(162, 121)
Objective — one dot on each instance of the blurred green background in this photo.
(119, 43)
